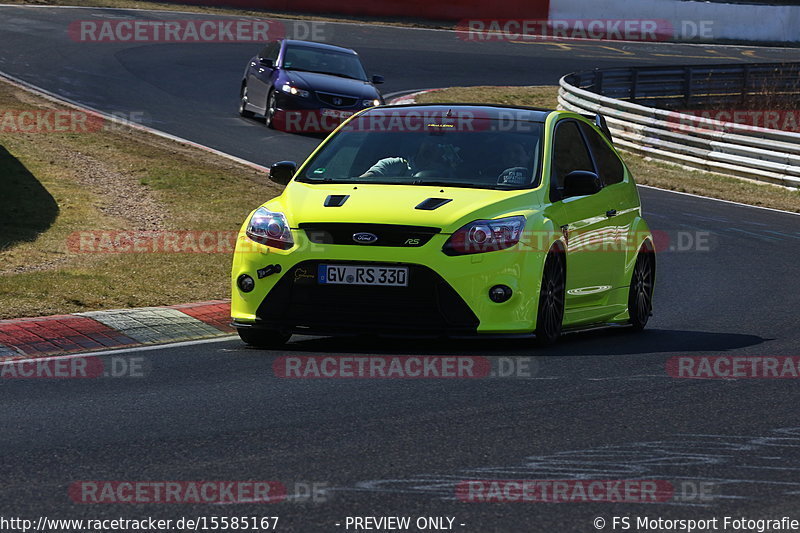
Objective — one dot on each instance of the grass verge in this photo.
(113, 179)
(646, 171)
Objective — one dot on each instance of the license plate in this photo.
(363, 275)
(336, 113)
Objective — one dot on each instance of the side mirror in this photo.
(264, 62)
(377, 80)
(581, 183)
(600, 122)
(282, 172)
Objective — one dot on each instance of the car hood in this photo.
(395, 204)
(332, 84)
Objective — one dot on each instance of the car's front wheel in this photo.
(243, 111)
(269, 112)
(263, 338)
(640, 295)
(550, 316)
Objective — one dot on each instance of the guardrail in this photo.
(628, 98)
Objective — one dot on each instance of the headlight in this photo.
(270, 228)
(291, 89)
(485, 236)
(371, 103)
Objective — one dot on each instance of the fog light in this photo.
(245, 283)
(500, 293)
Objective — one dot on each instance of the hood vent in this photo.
(433, 203)
(336, 200)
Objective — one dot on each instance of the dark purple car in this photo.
(306, 86)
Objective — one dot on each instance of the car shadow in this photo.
(26, 207)
(600, 342)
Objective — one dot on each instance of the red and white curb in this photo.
(22, 338)
(410, 98)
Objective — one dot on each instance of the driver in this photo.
(430, 157)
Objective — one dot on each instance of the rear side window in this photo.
(611, 168)
(569, 153)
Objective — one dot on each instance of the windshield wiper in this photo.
(436, 183)
(446, 183)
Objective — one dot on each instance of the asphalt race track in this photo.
(191, 90)
(599, 405)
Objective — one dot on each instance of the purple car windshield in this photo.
(307, 59)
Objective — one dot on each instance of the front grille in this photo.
(332, 99)
(428, 305)
(387, 234)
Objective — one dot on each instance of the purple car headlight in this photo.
(291, 89)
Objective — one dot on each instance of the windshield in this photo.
(407, 149)
(307, 59)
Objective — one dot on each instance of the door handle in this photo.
(611, 213)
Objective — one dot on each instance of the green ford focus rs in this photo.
(448, 220)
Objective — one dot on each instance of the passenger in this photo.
(516, 161)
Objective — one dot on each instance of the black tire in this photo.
(243, 111)
(263, 338)
(269, 110)
(640, 294)
(550, 316)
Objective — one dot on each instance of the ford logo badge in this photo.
(364, 237)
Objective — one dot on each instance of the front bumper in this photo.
(308, 115)
(446, 295)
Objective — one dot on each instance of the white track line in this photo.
(72, 103)
(720, 200)
(44, 93)
(145, 348)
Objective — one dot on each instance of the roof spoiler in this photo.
(600, 122)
